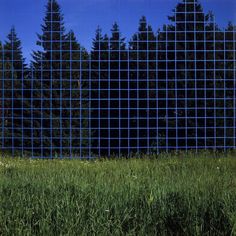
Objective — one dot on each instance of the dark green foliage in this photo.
(58, 81)
(109, 81)
(14, 73)
(180, 73)
(143, 78)
(192, 78)
(119, 93)
(100, 92)
(174, 89)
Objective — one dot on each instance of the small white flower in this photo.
(106, 210)
(217, 167)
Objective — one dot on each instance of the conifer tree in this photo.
(184, 76)
(118, 106)
(143, 84)
(15, 71)
(99, 92)
(229, 84)
(58, 106)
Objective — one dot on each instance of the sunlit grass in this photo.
(182, 194)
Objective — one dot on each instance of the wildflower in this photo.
(107, 211)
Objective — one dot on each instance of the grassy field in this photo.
(182, 194)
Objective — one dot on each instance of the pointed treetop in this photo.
(116, 34)
(53, 29)
(53, 6)
(98, 34)
(115, 28)
(186, 7)
(143, 24)
(145, 31)
(13, 42)
(13, 51)
(106, 37)
(116, 40)
(98, 39)
(54, 19)
(12, 36)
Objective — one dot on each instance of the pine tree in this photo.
(75, 95)
(230, 85)
(143, 84)
(13, 53)
(15, 71)
(183, 74)
(58, 104)
(118, 106)
(99, 92)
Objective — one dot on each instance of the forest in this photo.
(170, 89)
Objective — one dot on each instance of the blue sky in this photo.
(83, 16)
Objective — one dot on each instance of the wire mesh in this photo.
(170, 91)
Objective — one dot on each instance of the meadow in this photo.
(169, 194)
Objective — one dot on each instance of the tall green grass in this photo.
(170, 195)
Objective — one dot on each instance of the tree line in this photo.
(171, 89)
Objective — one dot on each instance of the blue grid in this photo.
(174, 90)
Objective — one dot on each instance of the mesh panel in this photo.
(170, 91)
